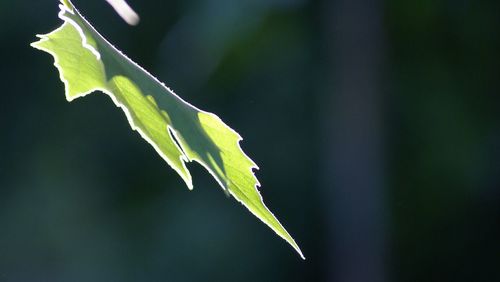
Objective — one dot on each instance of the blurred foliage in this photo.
(74, 206)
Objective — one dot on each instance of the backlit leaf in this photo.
(178, 131)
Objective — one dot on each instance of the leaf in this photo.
(178, 131)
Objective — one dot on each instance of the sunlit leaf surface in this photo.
(178, 131)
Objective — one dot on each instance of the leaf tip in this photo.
(189, 185)
(37, 43)
(296, 247)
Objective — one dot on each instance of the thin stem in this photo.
(125, 11)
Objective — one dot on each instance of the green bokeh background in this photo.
(83, 198)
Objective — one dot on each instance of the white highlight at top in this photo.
(124, 10)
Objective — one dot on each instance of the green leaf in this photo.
(178, 131)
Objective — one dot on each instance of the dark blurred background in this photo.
(376, 125)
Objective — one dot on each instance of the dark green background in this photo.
(375, 123)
